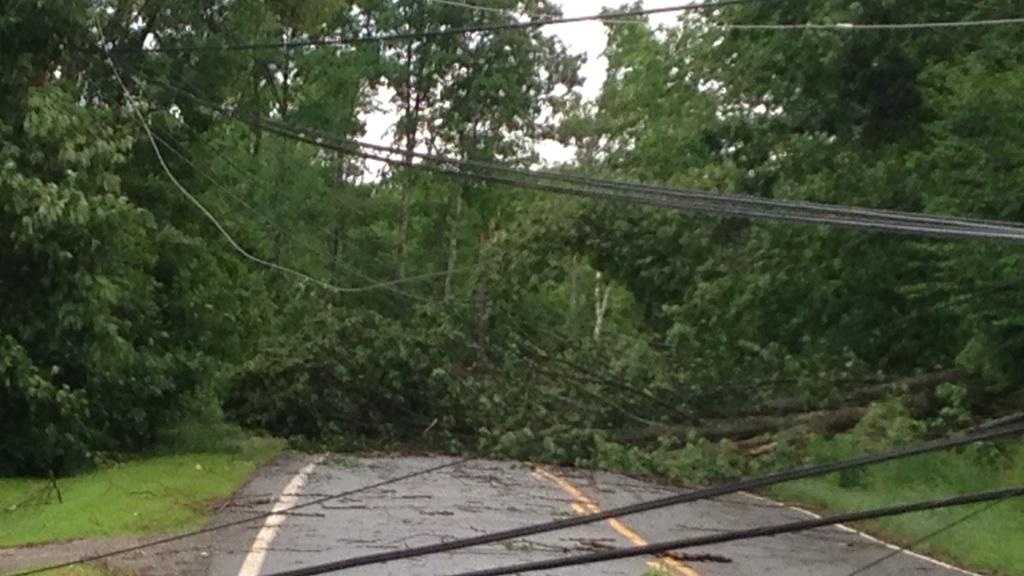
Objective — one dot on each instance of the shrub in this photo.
(346, 373)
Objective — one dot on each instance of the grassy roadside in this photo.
(151, 495)
(992, 541)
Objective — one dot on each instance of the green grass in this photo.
(992, 541)
(152, 495)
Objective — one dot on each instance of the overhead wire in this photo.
(689, 200)
(270, 225)
(663, 196)
(684, 200)
(703, 195)
(246, 176)
(747, 485)
(855, 26)
(144, 123)
(441, 33)
(830, 26)
(749, 534)
(624, 16)
(927, 537)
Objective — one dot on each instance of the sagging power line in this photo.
(147, 130)
(700, 201)
(686, 200)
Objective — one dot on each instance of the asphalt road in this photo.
(481, 497)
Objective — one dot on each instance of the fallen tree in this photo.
(832, 416)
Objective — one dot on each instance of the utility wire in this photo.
(894, 553)
(688, 200)
(267, 223)
(659, 503)
(760, 532)
(854, 26)
(703, 202)
(441, 33)
(833, 26)
(685, 199)
(227, 235)
(701, 195)
(619, 17)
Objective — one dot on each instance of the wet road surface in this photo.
(481, 496)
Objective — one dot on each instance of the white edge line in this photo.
(866, 536)
(257, 555)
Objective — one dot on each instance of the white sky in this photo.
(588, 38)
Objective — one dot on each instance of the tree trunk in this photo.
(601, 295)
(859, 395)
(453, 246)
(739, 429)
(413, 105)
(482, 304)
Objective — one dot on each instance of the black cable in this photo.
(218, 527)
(718, 205)
(673, 500)
(432, 34)
(703, 195)
(678, 199)
(825, 210)
(760, 532)
(893, 553)
(742, 204)
(267, 223)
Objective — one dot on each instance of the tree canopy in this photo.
(473, 314)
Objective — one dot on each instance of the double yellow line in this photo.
(582, 505)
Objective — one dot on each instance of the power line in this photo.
(227, 235)
(271, 225)
(685, 199)
(441, 33)
(854, 26)
(688, 200)
(616, 17)
(664, 502)
(896, 552)
(706, 196)
(246, 520)
(833, 26)
(760, 532)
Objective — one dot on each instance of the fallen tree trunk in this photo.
(744, 428)
(857, 396)
(828, 417)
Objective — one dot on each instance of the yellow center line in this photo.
(582, 504)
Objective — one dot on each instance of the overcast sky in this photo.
(580, 38)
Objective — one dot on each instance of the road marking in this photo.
(867, 536)
(582, 505)
(261, 545)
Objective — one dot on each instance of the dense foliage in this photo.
(467, 314)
